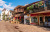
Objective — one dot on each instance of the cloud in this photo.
(0, 0)
(8, 6)
(4, 5)
(1, 9)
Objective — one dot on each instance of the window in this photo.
(47, 4)
(10, 12)
(34, 19)
(47, 18)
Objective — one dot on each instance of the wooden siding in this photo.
(19, 10)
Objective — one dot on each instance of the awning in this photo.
(40, 13)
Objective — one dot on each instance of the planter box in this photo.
(34, 23)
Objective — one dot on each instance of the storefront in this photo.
(41, 18)
(26, 19)
(34, 20)
(47, 20)
(19, 19)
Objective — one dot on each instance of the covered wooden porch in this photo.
(40, 16)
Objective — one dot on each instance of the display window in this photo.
(34, 20)
(47, 19)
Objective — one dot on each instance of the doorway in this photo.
(41, 21)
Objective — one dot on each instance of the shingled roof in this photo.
(4, 9)
(18, 6)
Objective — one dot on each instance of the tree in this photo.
(4, 16)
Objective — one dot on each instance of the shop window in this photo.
(47, 19)
(34, 20)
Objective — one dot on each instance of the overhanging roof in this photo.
(48, 11)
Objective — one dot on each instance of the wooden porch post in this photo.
(30, 19)
(38, 20)
(43, 19)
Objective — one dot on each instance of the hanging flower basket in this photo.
(40, 3)
(36, 4)
(31, 7)
(27, 8)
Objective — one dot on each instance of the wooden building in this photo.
(40, 14)
(33, 8)
(19, 13)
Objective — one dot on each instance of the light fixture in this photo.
(24, 12)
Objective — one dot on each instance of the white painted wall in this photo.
(2, 14)
(10, 14)
(25, 16)
(6, 11)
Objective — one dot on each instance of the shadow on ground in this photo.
(45, 28)
(16, 27)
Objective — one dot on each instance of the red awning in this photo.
(40, 13)
(33, 14)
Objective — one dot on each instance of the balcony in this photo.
(21, 10)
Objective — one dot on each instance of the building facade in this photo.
(10, 15)
(18, 13)
(6, 14)
(3, 14)
(39, 13)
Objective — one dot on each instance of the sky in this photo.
(11, 4)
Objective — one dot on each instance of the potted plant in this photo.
(17, 21)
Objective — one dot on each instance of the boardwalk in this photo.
(8, 27)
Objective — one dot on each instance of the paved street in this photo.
(8, 27)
